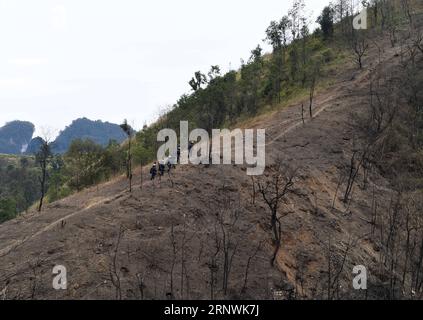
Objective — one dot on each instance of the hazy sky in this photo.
(116, 59)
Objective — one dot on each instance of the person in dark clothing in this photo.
(178, 154)
(161, 169)
(153, 171)
(190, 146)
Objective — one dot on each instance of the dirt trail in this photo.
(4, 251)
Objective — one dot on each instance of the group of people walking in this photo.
(161, 169)
(167, 165)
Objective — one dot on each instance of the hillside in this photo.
(81, 231)
(206, 232)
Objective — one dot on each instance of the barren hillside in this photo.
(165, 240)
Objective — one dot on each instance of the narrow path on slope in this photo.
(321, 103)
(356, 80)
(6, 250)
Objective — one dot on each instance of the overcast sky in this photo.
(115, 59)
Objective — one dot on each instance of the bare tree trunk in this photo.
(329, 257)
(312, 89)
(247, 269)
(130, 166)
(113, 268)
(273, 191)
(253, 197)
(173, 240)
(42, 184)
(141, 176)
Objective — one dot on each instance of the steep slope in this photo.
(168, 240)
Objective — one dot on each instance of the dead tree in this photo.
(114, 272)
(359, 47)
(355, 167)
(338, 186)
(383, 103)
(183, 253)
(411, 226)
(253, 196)
(34, 278)
(329, 257)
(213, 264)
(247, 268)
(128, 131)
(274, 190)
(173, 264)
(335, 272)
(359, 160)
(313, 81)
(141, 176)
(393, 220)
(393, 29)
(374, 211)
(381, 113)
(335, 268)
(183, 258)
(228, 219)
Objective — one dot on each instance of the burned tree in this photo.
(128, 131)
(173, 264)
(335, 268)
(278, 183)
(359, 47)
(354, 169)
(248, 266)
(114, 272)
(382, 110)
(227, 220)
(314, 74)
(213, 264)
(224, 239)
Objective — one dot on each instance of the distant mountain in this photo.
(15, 137)
(34, 146)
(97, 131)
